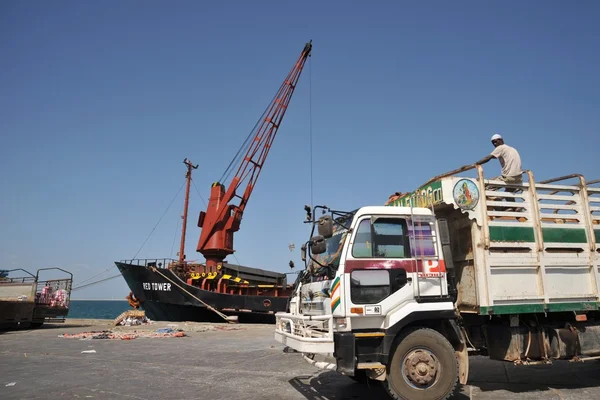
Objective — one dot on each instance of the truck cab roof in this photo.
(386, 210)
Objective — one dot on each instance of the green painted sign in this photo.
(526, 234)
(425, 196)
(564, 235)
(512, 234)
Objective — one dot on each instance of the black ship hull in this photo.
(166, 299)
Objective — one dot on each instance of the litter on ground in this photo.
(160, 333)
(131, 318)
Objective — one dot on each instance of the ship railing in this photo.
(160, 263)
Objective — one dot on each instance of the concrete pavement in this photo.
(230, 362)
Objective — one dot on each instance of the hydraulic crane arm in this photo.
(222, 218)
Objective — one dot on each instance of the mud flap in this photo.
(462, 355)
(461, 351)
(344, 353)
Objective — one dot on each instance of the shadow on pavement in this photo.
(330, 385)
(485, 376)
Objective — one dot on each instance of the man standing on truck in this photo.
(510, 161)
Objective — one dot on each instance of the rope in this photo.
(174, 238)
(197, 191)
(220, 314)
(101, 273)
(94, 283)
(136, 254)
(162, 216)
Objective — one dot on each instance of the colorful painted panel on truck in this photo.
(422, 197)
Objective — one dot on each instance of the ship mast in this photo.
(188, 178)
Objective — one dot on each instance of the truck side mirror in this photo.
(318, 245)
(303, 252)
(325, 226)
(444, 231)
(308, 212)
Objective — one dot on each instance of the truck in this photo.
(28, 300)
(403, 293)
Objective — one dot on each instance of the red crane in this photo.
(222, 217)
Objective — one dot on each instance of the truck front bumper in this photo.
(305, 334)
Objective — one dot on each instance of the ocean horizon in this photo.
(97, 308)
(97, 300)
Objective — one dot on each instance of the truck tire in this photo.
(422, 366)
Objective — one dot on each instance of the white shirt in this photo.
(509, 160)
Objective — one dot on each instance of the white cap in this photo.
(496, 137)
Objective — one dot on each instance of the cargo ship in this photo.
(170, 291)
(179, 290)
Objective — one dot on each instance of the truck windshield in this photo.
(336, 242)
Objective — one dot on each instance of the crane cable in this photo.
(244, 147)
(310, 128)
(81, 284)
(225, 176)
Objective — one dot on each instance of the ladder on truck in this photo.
(420, 241)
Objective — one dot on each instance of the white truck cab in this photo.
(375, 270)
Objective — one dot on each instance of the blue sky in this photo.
(100, 102)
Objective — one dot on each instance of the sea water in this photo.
(97, 309)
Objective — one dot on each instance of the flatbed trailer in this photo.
(28, 301)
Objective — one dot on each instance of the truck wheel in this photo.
(423, 366)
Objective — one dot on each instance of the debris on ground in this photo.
(131, 318)
(199, 327)
(11, 384)
(166, 330)
(107, 334)
(88, 352)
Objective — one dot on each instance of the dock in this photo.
(228, 361)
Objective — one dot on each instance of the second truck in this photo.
(403, 293)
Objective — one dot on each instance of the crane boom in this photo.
(222, 218)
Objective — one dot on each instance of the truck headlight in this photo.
(285, 326)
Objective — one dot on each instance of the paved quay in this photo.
(220, 361)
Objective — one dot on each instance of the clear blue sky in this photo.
(100, 102)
